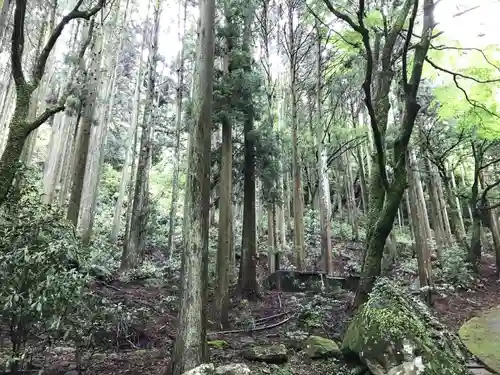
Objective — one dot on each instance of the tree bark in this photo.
(133, 249)
(93, 75)
(190, 346)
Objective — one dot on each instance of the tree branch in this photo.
(17, 45)
(75, 13)
(44, 116)
(342, 16)
(407, 45)
(455, 74)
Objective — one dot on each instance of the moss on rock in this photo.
(393, 327)
(320, 347)
(481, 335)
(218, 344)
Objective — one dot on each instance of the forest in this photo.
(236, 187)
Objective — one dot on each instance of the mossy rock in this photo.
(481, 335)
(320, 347)
(393, 327)
(266, 353)
(218, 344)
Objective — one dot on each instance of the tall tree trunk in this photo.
(94, 167)
(134, 247)
(127, 170)
(248, 286)
(417, 213)
(298, 198)
(324, 183)
(225, 196)
(84, 132)
(178, 130)
(190, 346)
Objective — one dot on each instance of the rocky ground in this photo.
(281, 334)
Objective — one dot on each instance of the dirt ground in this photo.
(146, 349)
(456, 309)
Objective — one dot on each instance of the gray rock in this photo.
(414, 367)
(233, 369)
(266, 353)
(203, 369)
(296, 339)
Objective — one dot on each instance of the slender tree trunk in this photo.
(85, 130)
(248, 286)
(190, 346)
(178, 130)
(225, 198)
(133, 249)
(127, 170)
(421, 244)
(324, 183)
(457, 202)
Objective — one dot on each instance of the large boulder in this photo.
(481, 336)
(393, 329)
(320, 347)
(266, 353)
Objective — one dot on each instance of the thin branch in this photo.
(56, 33)
(255, 329)
(444, 48)
(342, 16)
(455, 74)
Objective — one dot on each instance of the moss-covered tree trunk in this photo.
(384, 194)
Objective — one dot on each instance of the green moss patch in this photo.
(218, 344)
(481, 335)
(393, 329)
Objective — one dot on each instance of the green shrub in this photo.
(43, 293)
(454, 268)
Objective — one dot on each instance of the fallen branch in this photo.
(266, 318)
(255, 329)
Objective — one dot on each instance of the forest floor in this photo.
(276, 318)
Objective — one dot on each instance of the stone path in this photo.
(481, 335)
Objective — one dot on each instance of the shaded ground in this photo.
(457, 308)
(145, 347)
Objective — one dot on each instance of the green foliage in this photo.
(454, 269)
(341, 230)
(267, 159)
(43, 292)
